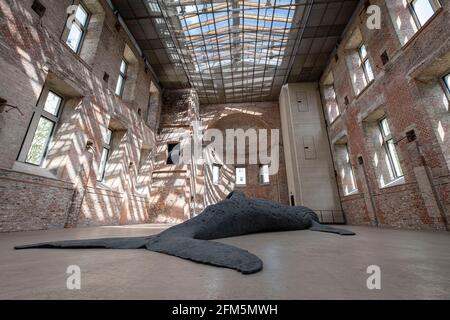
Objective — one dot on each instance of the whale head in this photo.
(235, 194)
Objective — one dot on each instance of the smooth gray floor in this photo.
(297, 265)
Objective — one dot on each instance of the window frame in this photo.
(445, 84)
(169, 151)
(123, 76)
(363, 61)
(260, 176)
(335, 99)
(83, 28)
(338, 108)
(387, 139)
(106, 147)
(39, 113)
(235, 176)
(435, 4)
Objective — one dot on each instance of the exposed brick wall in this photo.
(180, 191)
(172, 193)
(66, 191)
(258, 115)
(177, 107)
(169, 197)
(408, 91)
(355, 210)
(31, 202)
(154, 111)
(32, 54)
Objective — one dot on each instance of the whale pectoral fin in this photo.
(108, 243)
(324, 228)
(208, 252)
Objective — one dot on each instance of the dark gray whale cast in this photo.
(236, 215)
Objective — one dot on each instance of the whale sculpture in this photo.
(236, 215)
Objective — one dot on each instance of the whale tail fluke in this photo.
(108, 243)
(324, 228)
(208, 252)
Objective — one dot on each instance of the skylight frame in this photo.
(260, 45)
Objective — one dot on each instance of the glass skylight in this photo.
(233, 48)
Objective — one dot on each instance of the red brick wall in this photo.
(31, 202)
(171, 183)
(258, 115)
(402, 89)
(173, 192)
(32, 53)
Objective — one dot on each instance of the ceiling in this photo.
(236, 50)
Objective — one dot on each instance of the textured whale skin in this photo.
(236, 215)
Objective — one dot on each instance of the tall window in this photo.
(423, 10)
(216, 174)
(345, 168)
(332, 106)
(264, 177)
(241, 178)
(365, 63)
(41, 129)
(350, 185)
(78, 29)
(389, 145)
(105, 155)
(122, 78)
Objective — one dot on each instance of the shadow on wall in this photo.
(34, 52)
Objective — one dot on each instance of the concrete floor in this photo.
(297, 265)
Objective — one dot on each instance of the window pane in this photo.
(240, 176)
(347, 156)
(216, 174)
(108, 137)
(40, 141)
(119, 86)
(74, 38)
(394, 157)
(369, 71)
(81, 15)
(385, 127)
(123, 67)
(52, 103)
(264, 174)
(423, 9)
(104, 159)
(363, 51)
